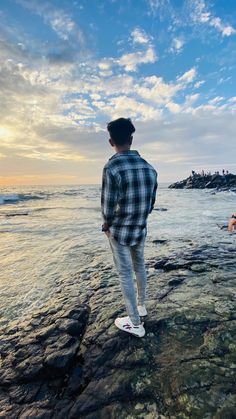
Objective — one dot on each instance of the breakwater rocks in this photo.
(68, 360)
(198, 181)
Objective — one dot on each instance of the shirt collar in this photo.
(125, 153)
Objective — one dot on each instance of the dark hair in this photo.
(121, 130)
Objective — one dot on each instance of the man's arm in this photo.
(232, 224)
(153, 196)
(108, 198)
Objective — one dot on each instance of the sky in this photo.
(67, 68)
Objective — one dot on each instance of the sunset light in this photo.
(117, 209)
(168, 65)
(5, 132)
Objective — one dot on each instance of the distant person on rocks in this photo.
(128, 195)
(232, 222)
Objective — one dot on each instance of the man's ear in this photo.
(111, 142)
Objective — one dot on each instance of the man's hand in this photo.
(106, 230)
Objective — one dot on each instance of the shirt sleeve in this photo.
(154, 196)
(109, 196)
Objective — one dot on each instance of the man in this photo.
(128, 196)
(232, 223)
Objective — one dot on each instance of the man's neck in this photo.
(120, 149)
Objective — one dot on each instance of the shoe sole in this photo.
(131, 333)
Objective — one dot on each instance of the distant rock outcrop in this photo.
(198, 181)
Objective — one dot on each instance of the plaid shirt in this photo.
(128, 195)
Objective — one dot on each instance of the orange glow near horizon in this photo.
(34, 180)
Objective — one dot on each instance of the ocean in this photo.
(51, 236)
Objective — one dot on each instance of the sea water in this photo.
(52, 234)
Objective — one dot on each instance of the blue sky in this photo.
(69, 67)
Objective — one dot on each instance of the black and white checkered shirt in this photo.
(128, 195)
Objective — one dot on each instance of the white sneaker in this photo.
(142, 311)
(125, 324)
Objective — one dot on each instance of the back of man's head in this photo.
(121, 130)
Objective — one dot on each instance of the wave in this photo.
(14, 198)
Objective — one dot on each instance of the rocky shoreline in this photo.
(68, 360)
(198, 181)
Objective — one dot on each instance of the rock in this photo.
(160, 241)
(176, 264)
(35, 413)
(175, 281)
(72, 327)
(198, 181)
(160, 209)
(30, 368)
(76, 381)
(45, 332)
(198, 267)
(159, 263)
(62, 359)
(24, 393)
(74, 363)
(80, 313)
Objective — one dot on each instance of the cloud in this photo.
(188, 76)
(232, 99)
(200, 14)
(198, 139)
(60, 22)
(199, 83)
(154, 89)
(177, 45)
(56, 114)
(226, 30)
(190, 99)
(132, 60)
(193, 13)
(124, 105)
(173, 107)
(139, 36)
(161, 8)
(216, 100)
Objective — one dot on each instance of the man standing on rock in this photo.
(128, 195)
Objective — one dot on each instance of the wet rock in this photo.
(80, 313)
(35, 413)
(63, 359)
(197, 181)
(30, 368)
(74, 363)
(159, 241)
(45, 332)
(176, 264)
(24, 393)
(159, 263)
(175, 281)
(160, 209)
(198, 267)
(72, 327)
(76, 381)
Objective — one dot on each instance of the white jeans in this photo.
(127, 259)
